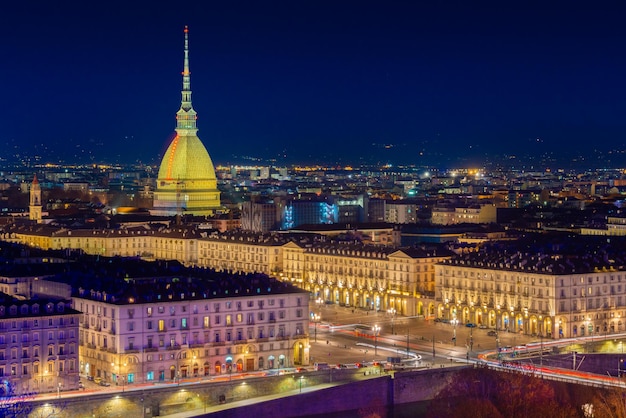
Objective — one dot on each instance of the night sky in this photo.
(314, 81)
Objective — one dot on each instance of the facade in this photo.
(259, 216)
(474, 214)
(315, 211)
(399, 212)
(186, 183)
(369, 277)
(177, 330)
(536, 294)
(405, 279)
(38, 344)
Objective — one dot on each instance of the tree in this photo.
(488, 393)
(609, 403)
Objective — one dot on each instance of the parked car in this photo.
(104, 383)
(470, 325)
(97, 380)
(81, 385)
(482, 326)
(492, 333)
(437, 319)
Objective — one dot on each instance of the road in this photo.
(341, 331)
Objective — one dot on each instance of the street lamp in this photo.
(316, 319)
(376, 329)
(454, 322)
(392, 312)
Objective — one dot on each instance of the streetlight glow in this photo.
(376, 329)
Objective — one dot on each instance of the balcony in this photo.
(262, 339)
(173, 347)
(219, 343)
(90, 345)
(112, 331)
(150, 349)
(131, 350)
(196, 345)
(85, 325)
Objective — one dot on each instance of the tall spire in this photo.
(186, 116)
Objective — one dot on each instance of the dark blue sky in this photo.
(315, 80)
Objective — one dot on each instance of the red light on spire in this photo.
(186, 29)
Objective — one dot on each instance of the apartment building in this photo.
(164, 329)
(552, 295)
(38, 344)
(370, 277)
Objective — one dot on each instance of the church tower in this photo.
(186, 183)
(34, 207)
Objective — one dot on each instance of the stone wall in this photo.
(358, 392)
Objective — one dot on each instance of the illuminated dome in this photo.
(187, 159)
(186, 183)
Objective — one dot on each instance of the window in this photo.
(149, 311)
(229, 320)
(161, 325)
(206, 322)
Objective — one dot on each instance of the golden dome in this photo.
(186, 159)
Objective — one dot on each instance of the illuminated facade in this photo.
(186, 183)
(172, 333)
(376, 278)
(534, 301)
(38, 345)
(373, 277)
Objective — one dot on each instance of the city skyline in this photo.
(354, 82)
